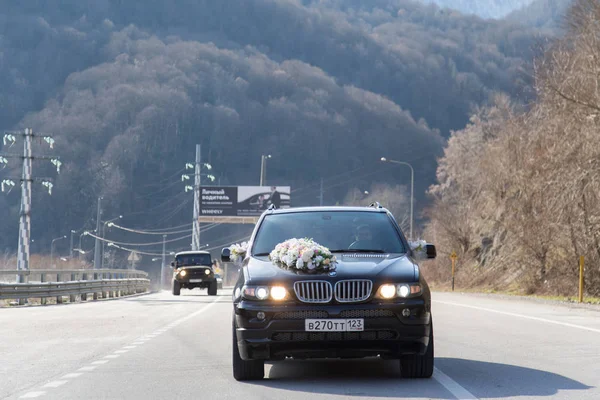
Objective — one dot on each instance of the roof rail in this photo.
(375, 205)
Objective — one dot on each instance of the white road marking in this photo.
(138, 343)
(94, 364)
(549, 321)
(452, 386)
(32, 395)
(72, 375)
(54, 384)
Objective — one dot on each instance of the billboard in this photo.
(241, 201)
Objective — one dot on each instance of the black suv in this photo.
(376, 302)
(193, 269)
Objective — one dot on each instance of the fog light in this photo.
(260, 315)
(406, 312)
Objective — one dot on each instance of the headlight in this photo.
(387, 291)
(262, 293)
(278, 293)
(207, 271)
(183, 272)
(403, 290)
(400, 290)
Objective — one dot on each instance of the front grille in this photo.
(313, 291)
(353, 290)
(197, 273)
(333, 336)
(301, 314)
(367, 314)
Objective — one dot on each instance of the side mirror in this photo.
(172, 264)
(226, 255)
(430, 250)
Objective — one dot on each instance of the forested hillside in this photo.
(517, 190)
(128, 87)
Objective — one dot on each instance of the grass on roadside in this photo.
(564, 299)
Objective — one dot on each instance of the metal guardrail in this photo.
(104, 283)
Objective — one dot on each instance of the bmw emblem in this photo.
(332, 273)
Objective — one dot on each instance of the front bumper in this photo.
(282, 333)
(195, 281)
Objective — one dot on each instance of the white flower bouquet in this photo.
(303, 255)
(238, 251)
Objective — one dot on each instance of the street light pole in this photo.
(97, 255)
(412, 188)
(162, 265)
(103, 235)
(81, 248)
(52, 249)
(263, 169)
(71, 248)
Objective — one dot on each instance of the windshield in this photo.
(336, 230)
(186, 260)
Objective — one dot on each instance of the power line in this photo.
(141, 232)
(138, 244)
(136, 251)
(175, 211)
(168, 179)
(246, 237)
(161, 230)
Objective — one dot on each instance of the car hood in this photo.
(397, 267)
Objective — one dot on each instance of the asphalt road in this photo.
(163, 347)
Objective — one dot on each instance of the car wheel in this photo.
(252, 370)
(176, 288)
(419, 366)
(212, 289)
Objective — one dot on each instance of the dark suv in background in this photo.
(193, 269)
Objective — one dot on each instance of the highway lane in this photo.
(159, 346)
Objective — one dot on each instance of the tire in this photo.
(253, 370)
(176, 288)
(419, 366)
(212, 289)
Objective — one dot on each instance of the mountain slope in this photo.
(330, 86)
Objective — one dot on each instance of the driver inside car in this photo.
(364, 239)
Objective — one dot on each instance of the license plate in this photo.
(195, 280)
(334, 325)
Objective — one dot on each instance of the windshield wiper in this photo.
(358, 251)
